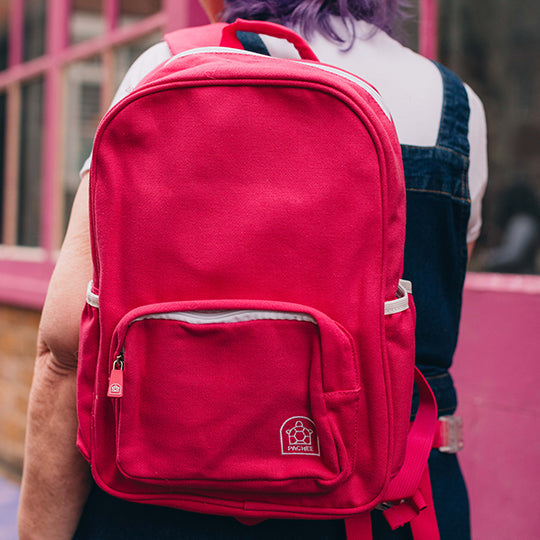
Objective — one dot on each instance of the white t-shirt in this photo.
(410, 85)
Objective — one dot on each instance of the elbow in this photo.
(56, 353)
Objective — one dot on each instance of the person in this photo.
(441, 127)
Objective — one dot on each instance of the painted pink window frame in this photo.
(25, 272)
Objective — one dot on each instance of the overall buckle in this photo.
(449, 438)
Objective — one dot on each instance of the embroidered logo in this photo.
(298, 436)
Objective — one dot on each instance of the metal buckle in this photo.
(451, 434)
(382, 507)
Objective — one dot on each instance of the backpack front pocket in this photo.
(222, 395)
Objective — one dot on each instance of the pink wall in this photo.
(498, 379)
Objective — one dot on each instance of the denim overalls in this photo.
(438, 209)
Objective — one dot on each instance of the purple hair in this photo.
(314, 15)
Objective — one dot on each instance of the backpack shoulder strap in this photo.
(191, 38)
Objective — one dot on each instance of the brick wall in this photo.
(18, 332)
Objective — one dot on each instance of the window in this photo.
(4, 13)
(34, 28)
(30, 146)
(132, 11)
(81, 115)
(494, 46)
(60, 64)
(3, 101)
(86, 20)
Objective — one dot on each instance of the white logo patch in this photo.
(115, 388)
(298, 436)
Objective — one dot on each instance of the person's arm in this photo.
(56, 478)
(478, 166)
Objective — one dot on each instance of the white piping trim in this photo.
(402, 302)
(336, 71)
(92, 299)
(349, 76)
(202, 50)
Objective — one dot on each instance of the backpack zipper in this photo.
(116, 377)
(224, 317)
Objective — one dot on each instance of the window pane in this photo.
(126, 55)
(82, 83)
(34, 28)
(134, 10)
(30, 163)
(86, 20)
(3, 101)
(4, 14)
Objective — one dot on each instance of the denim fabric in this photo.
(438, 208)
(252, 42)
(435, 260)
(108, 518)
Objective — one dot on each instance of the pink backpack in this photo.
(247, 348)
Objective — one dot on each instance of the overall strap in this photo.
(454, 126)
(252, 42)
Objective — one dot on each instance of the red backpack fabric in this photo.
(247, 348)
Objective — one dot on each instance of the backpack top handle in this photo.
(230, 39)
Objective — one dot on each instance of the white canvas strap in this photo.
(401, 303)
(92, 299)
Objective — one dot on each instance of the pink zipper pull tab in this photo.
(116, 379)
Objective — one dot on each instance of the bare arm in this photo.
(56, 478)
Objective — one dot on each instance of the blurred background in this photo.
(60, 63)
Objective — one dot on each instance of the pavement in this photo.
(9, 500)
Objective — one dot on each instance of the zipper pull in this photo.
(116, 379)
